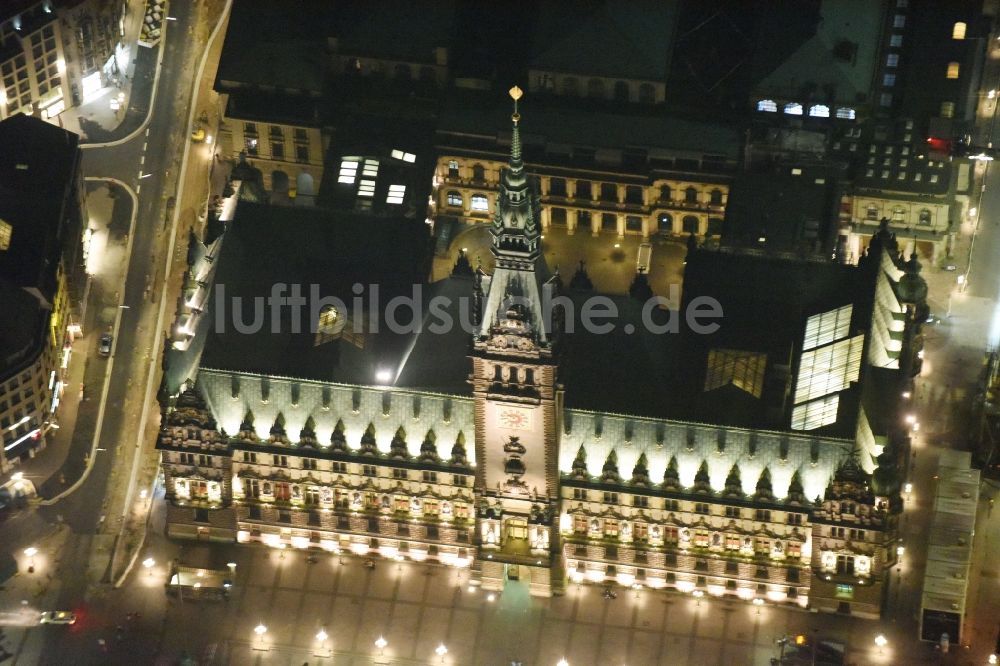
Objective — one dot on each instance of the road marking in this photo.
(141, 162)
(144, 144)
(138, 188)
(147, 131)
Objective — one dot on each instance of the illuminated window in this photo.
(454, 198)
(793, 109)
(819, 111)
(480, 202)
(845, 113)
(406, 157)
(767, 105)
(892, 60)
(815, 414)
(958, 30)
(366, 188)
(824, 328)
(899, 21)
(452, 169)
(742, 369)
(947, 109)
(395, 195)
(6, 231)
(952, 70)
(348, 170)
(370, 169)
(828, 369)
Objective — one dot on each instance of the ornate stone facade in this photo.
(513, 484)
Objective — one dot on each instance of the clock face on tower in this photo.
(513, 418)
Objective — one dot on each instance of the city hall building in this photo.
(757, 460)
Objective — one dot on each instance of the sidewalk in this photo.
(96, 121)
(63, 460)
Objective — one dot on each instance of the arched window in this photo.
(925, 216)
(952, 72)
(716, 197)
(595, 88)
(691, 195)
(571, 86)
(690, 223)
(767, 105)
(793, 109)
(846, 113)
(454, 198)
(665, 193)
(958, 30)
(898, 214)
(478, 172)
(665, 223)
(621, 91)
(819, 111)
(453, 168)
(647, 93)
(480, 202)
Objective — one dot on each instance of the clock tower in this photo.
(517, 397)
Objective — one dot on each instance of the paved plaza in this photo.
(417, 607)
(610, 260)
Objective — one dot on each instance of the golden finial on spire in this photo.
(516, 94)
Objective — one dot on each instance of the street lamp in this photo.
(380, 643)
(881, 641)
(441, 651)
(758, 602)
(148, 563)
(30, 552)
(562, 662)
(321, 635)
(260, 630)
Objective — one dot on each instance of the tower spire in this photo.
(516, 163)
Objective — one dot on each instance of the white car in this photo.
(57, 617)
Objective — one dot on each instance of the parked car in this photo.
(104, 347)
(57, 617)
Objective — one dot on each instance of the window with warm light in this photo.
(953, 68)
(480, 202)
(6, 232)
(958, 30)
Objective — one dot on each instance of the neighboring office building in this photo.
(557, 466)
(672, 175)
(292, 82)
(55, 53)
(603, 51)
(41, 220)
(913, 72)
